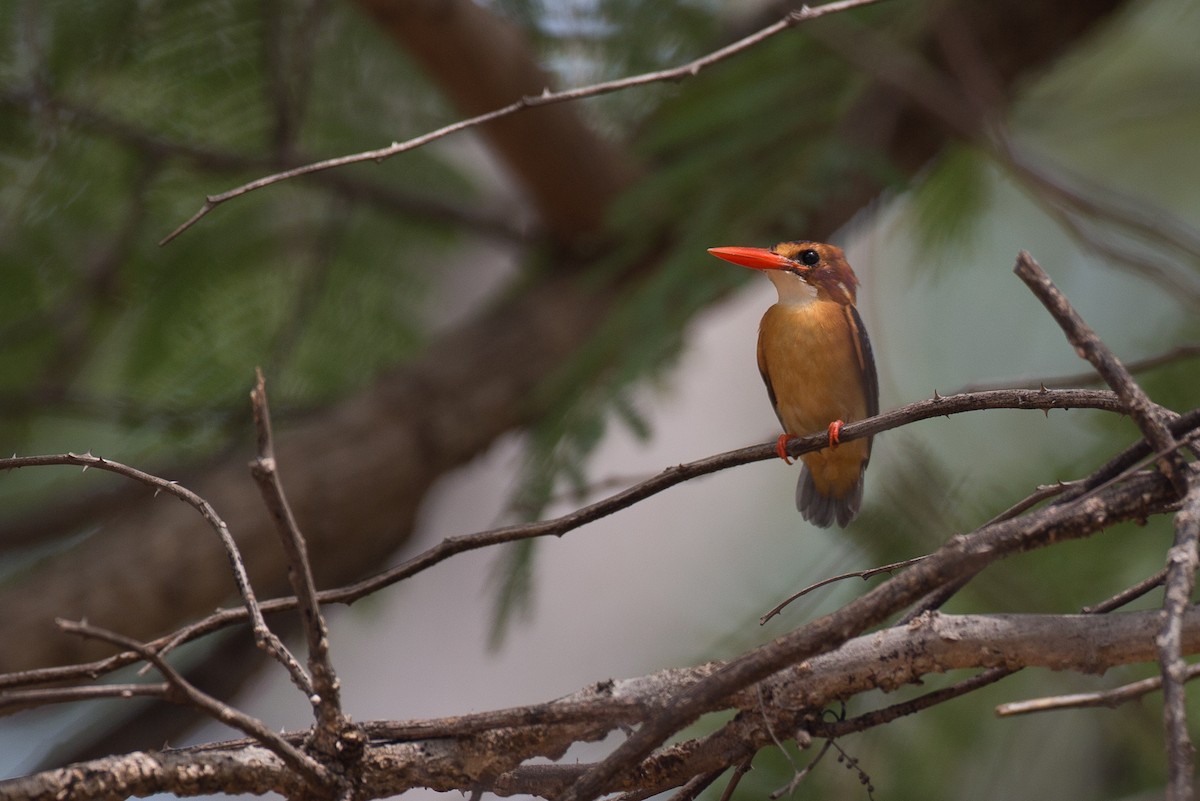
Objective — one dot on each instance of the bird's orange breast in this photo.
(811, 359)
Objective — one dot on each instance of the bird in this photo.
(817, 363)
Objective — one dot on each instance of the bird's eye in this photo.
(810, 257)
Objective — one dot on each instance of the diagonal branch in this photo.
(1106, 698)
(1150, 418)
(547, 98)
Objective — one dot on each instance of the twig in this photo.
(16, 700)
(1175, 354)
(1033, 499)
(155, 146)
(762, 710)
(546, 98)
(799, 775)
(1127, 595)
(313, 772)
(250, 602)
(1107, 698)
(324, 694)
(1148, 416)
(739, 770)
(879, 717)
(862, 574)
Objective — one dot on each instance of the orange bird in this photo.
(816, 361)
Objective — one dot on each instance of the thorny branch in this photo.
(937, 406)
(324, 693)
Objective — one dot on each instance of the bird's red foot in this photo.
(835, 433)
(781, 448)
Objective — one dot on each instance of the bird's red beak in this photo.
(754, 258)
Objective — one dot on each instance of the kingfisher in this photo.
(816, 360)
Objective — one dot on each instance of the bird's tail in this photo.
(821, 509)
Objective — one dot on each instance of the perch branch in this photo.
(939, 405)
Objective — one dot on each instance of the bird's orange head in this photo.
(800, 270)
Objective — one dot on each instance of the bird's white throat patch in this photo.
(792, 288)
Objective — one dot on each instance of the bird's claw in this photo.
(781, 448)
(835, 433)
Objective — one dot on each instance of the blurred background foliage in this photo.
(117, 117)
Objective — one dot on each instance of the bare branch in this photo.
(489, 751)
(1106, 698)
(1175, 354)
(1128, 595)
(183, 692)
(679, 73)
(324, 693)
(16, 700)
(205, 509)
(963, 555)
(862, 574)
(1150, 417)
(156, 147)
